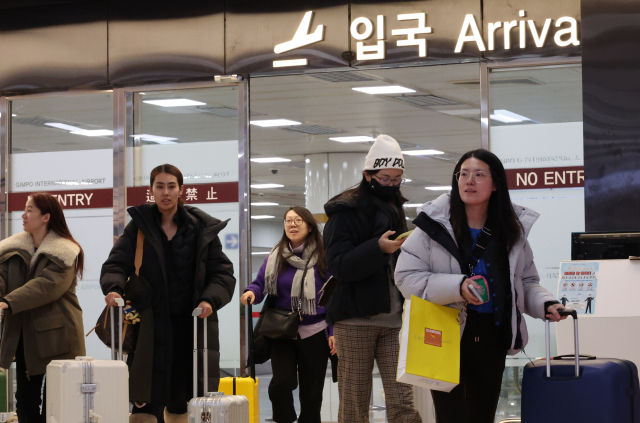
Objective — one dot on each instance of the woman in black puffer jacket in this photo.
(185, 268)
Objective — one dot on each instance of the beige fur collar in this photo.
(53, 245)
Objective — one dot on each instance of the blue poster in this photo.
(578, 286)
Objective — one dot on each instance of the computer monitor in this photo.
(604, 245)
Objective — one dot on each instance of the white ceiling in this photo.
(547, 95)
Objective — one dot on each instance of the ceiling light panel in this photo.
(261, 217)
(269, 123)
(63, 126)
(439, 188)
(94, 132)
(155, 138)
(355, 138)
(174, 102)
(270, 160)
(505, 116)
(266, 186)
(422, 152)
(385, 89)
(264, 204)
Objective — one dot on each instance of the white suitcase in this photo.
(8, 416)
(85, 390)
(214, 407)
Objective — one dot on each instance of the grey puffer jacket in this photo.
(428, 270)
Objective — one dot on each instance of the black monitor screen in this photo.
(604, 245)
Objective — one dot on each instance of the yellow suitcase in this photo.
(247, 386)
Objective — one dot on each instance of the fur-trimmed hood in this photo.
(53, 246)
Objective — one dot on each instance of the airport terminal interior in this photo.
(309, 135)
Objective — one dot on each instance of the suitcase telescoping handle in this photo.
(205, 357)
(120, 303)
(252, 364)
(563, 312)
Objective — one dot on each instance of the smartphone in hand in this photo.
(483, 293)
(402, 236)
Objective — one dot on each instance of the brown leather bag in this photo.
(129, 328)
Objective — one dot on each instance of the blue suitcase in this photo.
(582, 389)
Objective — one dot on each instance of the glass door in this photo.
(195, 130)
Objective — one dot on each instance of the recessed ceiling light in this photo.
(264, 204)
(268, 123)
(442, 188)
(174, 102)
(422, 152)
(270, 160)
(386, 89)
(63, 126)
(261, 253)
(13, 114)
(406, 181)
(357, 138)
(266, 186)
(261, 217)
(156, 138)
(506, 116)
(94, 132)
(412, 205)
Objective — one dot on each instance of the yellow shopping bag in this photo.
(429, 346)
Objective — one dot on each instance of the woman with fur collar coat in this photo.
(42, 315)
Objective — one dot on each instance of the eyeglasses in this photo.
(297, 221)
(480, 177)
(398, 182)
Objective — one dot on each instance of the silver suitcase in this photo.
(214, 407)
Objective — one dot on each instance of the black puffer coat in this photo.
(213, 281)
(354, 257)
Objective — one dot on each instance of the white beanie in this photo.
(385, 153)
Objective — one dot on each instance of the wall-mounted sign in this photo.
(527, 31)
(546, 177)
(226, 192)
(498, 35)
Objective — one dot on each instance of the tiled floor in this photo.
(329, 402)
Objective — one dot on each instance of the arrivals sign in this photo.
(374, 35)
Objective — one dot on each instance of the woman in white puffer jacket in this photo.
(476, 230)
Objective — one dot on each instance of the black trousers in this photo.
(588, 309)
(482, 363)
(28, 391)
(181, 371)
(308, 359)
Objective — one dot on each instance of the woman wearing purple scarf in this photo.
(283, 276)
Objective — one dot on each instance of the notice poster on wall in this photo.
(578, 285)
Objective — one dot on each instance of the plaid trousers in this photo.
(358, 347)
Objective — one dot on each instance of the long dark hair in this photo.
(314, 236)
(362, 192)
(171, 170)
(47, 203)
(501, 217)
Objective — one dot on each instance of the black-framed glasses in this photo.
(398, 182)
(298, 221)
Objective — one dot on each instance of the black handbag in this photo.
(282, 323)
(130, 331)
(328, 288)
